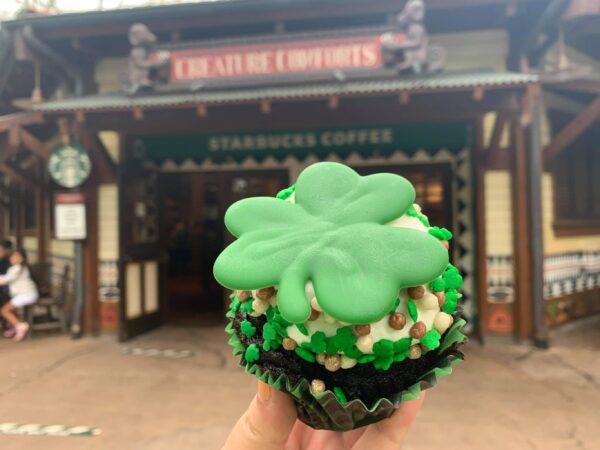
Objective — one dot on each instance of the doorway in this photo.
(433, 188)
(193, 235)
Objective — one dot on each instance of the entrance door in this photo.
(143, 259)
(194, 235)
(433, 188)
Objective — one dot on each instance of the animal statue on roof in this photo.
(407, 47)
(146, 67)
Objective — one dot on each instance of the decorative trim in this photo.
(569, 273)
(564, 274)
(500, 279)
(108, 280)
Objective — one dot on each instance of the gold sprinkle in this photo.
(361, 330)
(414, 352)
(243, 295)
(321, 358)
(289, 343)
(397, 321)
(332, 363)
(317, 386)
(417, 331)
(416, 292)
(265, 293)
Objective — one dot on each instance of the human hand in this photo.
(270, 423)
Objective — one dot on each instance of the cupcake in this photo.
(343, 294)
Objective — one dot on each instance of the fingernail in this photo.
(264, 391)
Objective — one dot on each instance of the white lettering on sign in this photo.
(305, 140)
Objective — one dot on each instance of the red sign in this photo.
(68, 198)
(358, 52)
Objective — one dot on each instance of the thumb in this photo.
(266, 424)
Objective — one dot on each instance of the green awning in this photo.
(365, 140)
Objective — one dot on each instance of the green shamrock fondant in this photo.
(335, 236)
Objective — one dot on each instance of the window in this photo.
(577, 189)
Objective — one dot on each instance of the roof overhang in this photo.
(477, 83)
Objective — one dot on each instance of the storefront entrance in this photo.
(193, 235)
(173, 231)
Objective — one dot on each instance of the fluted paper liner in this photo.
(324, 411)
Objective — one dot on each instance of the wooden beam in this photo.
(20, 176)
(522, 257)
(572, 130)
(19, 119)
(35, 145)
(14, 136)
(42, 212)
(8, 152)
(496, 138)
(480, 227)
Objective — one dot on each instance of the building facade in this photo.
(186, 109)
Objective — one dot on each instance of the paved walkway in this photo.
(179, 388)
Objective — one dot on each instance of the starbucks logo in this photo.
(69, 166)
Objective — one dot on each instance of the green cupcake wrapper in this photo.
(324, 411)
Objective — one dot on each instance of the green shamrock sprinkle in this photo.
(395, 307)
(452, 278)
(441, 233)
(399, 357)
(365, 359)
(279, 328)
(353, 352)
(437, 285)
(384, 362)
(269, 332)
(339, 394)
(402, 345)
(422, 218)
(246, 307)
(330, 236)
(412, 310)
(383, 347)
(252, 353)
(305, 354)
(431, 340)
(451, 302)
(318, 342)
(247, 328)
(343, 340)
(384, 351)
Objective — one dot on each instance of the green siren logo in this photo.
(69, 166)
